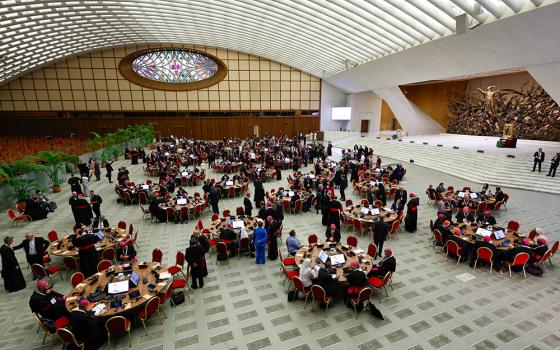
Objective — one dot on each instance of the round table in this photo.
(90, 285)
(192, 202)
(113, 235)
(456, 197)
(362, 186)
(354, 212)
(227, 167)
(249, 221)
(238, 187)
(350, 254)
(469, 235)
(285, 195)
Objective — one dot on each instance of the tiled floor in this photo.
(244, 306)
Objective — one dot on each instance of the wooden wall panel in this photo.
(207, 128)
(387, 117)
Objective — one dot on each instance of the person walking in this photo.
(554, 165)
(260, 238)
(538, 158)
(109, 168)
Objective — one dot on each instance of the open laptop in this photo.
(181, 201)
(117, 287)
(134, 278)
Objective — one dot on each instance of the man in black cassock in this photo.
(87, 329)
(248, 204)
(48, 303)
(11, 272)
(194, 255)
(155, 209)
(83, 211)
(75, 184)
(95, 201)
(334, 208)
(85, 242)
(72, 202)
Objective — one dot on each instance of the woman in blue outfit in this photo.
(260, 239)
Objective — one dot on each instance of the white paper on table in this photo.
(97, 309)
(238, 224)
(181, 201)
(166, 154)
(499, 234)
(357, 251)
(184, 173)
(311, 176)
(164, 275)
(337, 259)
(483, 232)
(461, 194)
(145, 187)
(291, 193)
(374, 211)
(287, 160)
(364, 210)
(229, 183)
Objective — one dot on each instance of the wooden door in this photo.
(364, 127)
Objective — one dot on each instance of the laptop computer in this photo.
(181, 201)
(134, 278)
(117, 287)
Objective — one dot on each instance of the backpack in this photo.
(534, 270)
(178, 298)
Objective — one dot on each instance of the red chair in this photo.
(372, 250)
(130, 229)
(289, 275)
(59, 323)
(200, 225)
(505, 200)
(163, 297)
(352, 241)
(170, 214)
(395, 229)
(312, 239)
(76, 278)
(222, 249)
(378, 203)
(109, 254)
(532, 234)
(184, 214)
(122, 225)
(231, 192)
(319, 294)
(365, 202)
(297, 206)
(497, 208)
(142, 197)
(52, 236)
(148, 182)
(70, 263)
(481, 207)
(513, 225)
(215, 217)
(117, 325)
(544, 258)
(181, 283)
(239, 211)
(243, 246)
(288, 262)
(68, 338)
(379, 283)
(363, 297)
(521, 259)
(17, 219)
(431, 225)
(134, 239)
(450, 189)
(286, 205)
(152, 307)
(306, 291)
(49, 272)
(348, 222)
(104, 265)
(437, 238)
(179, 264)
(157, 255)
(349, 202)
(553, 251)
(358, 226)
(453, 249)
(226, 213)
(484, 254)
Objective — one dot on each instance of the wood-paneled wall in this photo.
(387, 117)
(207, 128)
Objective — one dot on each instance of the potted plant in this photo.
(12, 174)
(52, 163)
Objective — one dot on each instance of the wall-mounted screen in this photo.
(341, 113)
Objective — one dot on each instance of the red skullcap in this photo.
(487, 238)
(446, 223)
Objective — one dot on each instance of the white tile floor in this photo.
(244, 306)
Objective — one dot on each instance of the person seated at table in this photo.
(485, 243)
(380, 194)
(333, 233)
(100, 222)
(539, 234)
(292, 243)
(34, 210)
(446, 231)
(397, 206)
(48, 303)
(247, 204)
(307, 274)
(443, 209)
(456, 237)
(357, 280)
(87, 328)
(294, 198)
(486, 191)
(228, 236)
(487, 218)
(441, 189)
(325, 280)
(499, 195)
(465, 215)
(509, 255)
(182, 193)
(466, 202)
(125, 251)
(224, 178)
(438, 224)
(44, 202)
(539, 249)
(156, 210)
(387, 264)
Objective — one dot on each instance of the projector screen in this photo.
(341, 113)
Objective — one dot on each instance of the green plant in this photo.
(13, 172)
(52, 163)
(98, 141)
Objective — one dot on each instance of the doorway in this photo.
(364, 127)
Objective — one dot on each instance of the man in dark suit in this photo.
(465, 215)
(445, 231)
(247, 204)
(380, 232)
(325, 280)
(86, 328)
(402, 194)
(485, 243)
(487, 218)
(214, 197)
(34, 248)
(499, 195)
(125, 252)
(387, 264)
(47, 303)
(194, 255)
(538, 158)
(95, 201)
(439, 221)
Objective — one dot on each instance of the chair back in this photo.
(122, 225)
(244, 244)
(364, 202)
(378, 203)
(481, 207)
(142, 197)
(226, 213)
(76, 278)
(546, 256)
(318, 292)
(352, 240)
(365, 295)
(130, 229)
(67, 337)
(286, 204)
(432, 225)
(532, 234)
(387, 278)
(184, 213)
(485, 254)
(52, 236)
(70, 263)
(372, 250)
(170, 214)
(104, 265)
(312, 238)
(498, 206)
(395, 226)
(157, 255)
(38, 270)
(513, 225)
(232, 192)
(357, 224)
(298, 283)
(151, 306)
(554, 247)
(521, 259)
(117, 325)
(452, 247)
(392, 192)
(200, 225)
(506, 197)
(437, 235)
(109, 254)
(239, 211)
(180, 259)
(349, 202)
(221, 248)
(11, 214)
(215, 217)
(450, 189)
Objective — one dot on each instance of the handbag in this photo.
(178, 298)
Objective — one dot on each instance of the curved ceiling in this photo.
(316, 36)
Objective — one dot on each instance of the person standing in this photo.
(34, 248)
(260, 238)
(95, 201)
(72, 202)
(85, 184)
(109, 168)
(554, 165)
(97, 170)
(74, 183)
(194, 255)
(538, 158)
(343, 185)
(214, 197)
(247, 204)
(11, 272)
(87, 252)
(83, 213)
(87, 328)
(411, 219)
(380, 232)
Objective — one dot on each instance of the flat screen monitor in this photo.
(134, 278)
(145, 187)
(323, 256)
(337, 259)
(341, 113)
(117, 287)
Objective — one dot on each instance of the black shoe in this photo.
(547, 174)
(194, 287)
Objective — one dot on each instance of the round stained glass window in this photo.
(173, 69)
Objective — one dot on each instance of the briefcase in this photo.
(178, 298)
